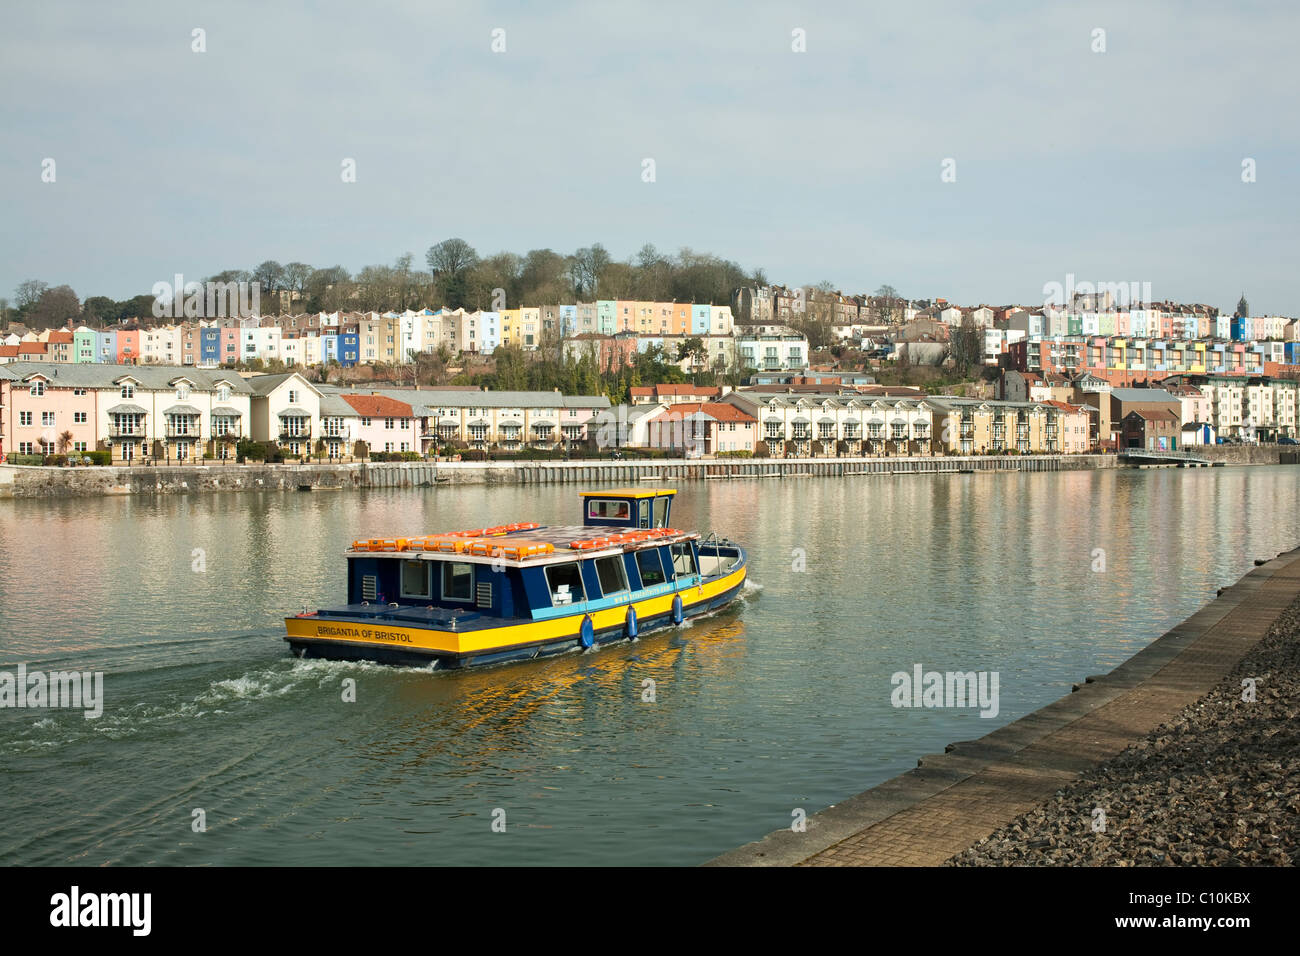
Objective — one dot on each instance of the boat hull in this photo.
(320, 636)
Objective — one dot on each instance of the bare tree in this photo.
(30, 292)
(450, 258)
(270, 274)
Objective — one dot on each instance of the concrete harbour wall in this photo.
(19, 481)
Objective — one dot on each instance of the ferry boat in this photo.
(524, 590)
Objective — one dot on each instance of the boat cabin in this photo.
(623, 552)
(628, 507)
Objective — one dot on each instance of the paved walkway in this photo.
(953, 800)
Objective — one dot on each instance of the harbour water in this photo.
(780, 704)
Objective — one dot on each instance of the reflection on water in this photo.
(781, 701)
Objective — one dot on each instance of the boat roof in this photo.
(559, 537)
(630, 493)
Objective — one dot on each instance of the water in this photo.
(780, 703)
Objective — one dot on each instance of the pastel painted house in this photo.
(136, 412)
(384, 424)
(286, 411)
(693, 429)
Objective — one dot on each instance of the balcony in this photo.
(287, 436)
(130, 431)
(182, 432)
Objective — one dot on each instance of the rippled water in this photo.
(782, 702)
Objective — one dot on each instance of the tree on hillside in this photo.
(29, 293)
(890, 306)
(53, 309)
(271, 276)
(100, 309)
(692, 348)
(588, 264)
(965, 347)
(451, 258)
(296, 275)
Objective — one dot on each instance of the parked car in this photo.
(1287, 441)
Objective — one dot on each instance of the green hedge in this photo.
(395, 456)
(25, 460)
(740, 453)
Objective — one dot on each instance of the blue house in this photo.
(210, 346)
(106, 348)
(700, 319)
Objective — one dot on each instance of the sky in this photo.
(825, 163)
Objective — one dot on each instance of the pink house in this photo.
(384, 424)
(37, 412)
(703, 428)
(128, 347)
(229, 353)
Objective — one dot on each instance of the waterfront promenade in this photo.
(951, 801)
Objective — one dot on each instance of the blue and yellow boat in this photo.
(524, 590)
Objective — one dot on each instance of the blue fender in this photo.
(678, 614)
(587, 633)
(631, 623)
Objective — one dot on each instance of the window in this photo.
(388, 423)
(661, 511)
(365, 422)
(78, 391)
(78, 418)
(611, 574)
(79, 446)
(223, 393)
(415, 579)
(651, 568)
(128, 390)
(293, 396)
(25, 448)
(602, 508)
(47, 419)
(457, 581)
(683, 559)
(182, 392)
(564, 581)
(38, 388)
(24, 418)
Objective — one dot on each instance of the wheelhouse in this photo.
(628, 507)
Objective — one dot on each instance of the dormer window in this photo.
(128, 390)
(223, 393)
(182, 392)
(38, 388)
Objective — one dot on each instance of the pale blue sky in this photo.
(1115, 166)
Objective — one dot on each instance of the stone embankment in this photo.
(1181, 768)
(39, 482)
(1217, 785)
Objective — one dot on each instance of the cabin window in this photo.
(565, 584)
(611, 574)
(603, 508)
(683, 559)
(415, 579)
(457, 581)
(643, 520)
(651, 568)
(661, 511)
